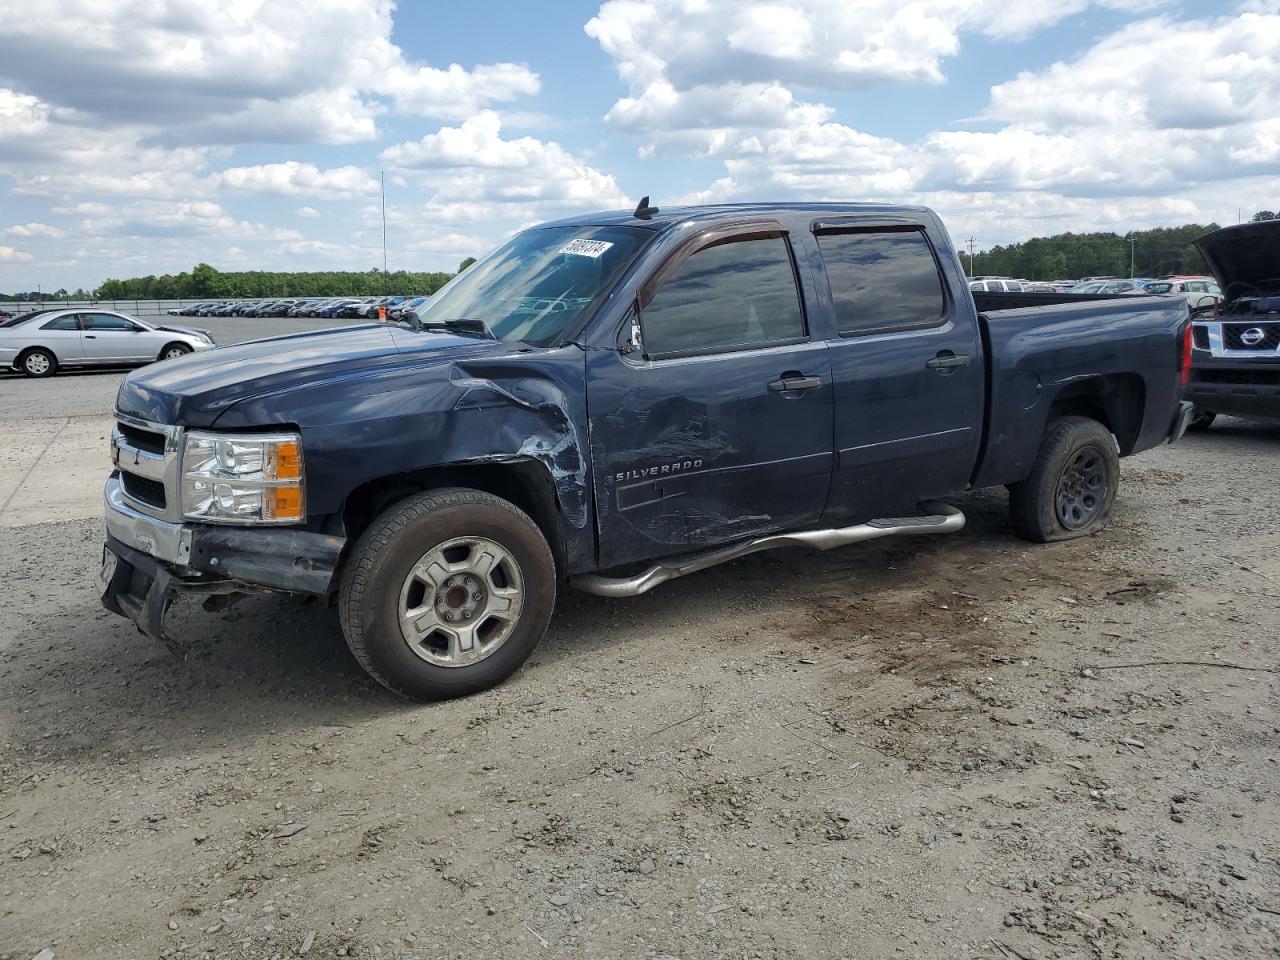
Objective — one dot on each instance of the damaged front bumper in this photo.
(148, 563)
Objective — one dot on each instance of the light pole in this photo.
(1132, 255)
(383, 179)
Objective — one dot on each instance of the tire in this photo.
(172, 351)
(1201, 421)
(38, 362)
(395, 596)
(1072, 486)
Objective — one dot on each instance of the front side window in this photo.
(539, 283)
(724, 297)
(106, 321)
(67, 322)
(883, 280)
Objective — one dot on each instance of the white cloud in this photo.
(473, 163)
(810, 43)
(9, 254)
(280, 71)
(294, 179)
(33, 230)
(1154, 112)
(455, 93)
(1156, 73)
(310, 213)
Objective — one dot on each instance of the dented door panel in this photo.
(697, 451)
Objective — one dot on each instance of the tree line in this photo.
(206, 282)
(1068, 256)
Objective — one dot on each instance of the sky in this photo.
(144, 136)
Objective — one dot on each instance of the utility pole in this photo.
(1132, 255)
(970, 243)
(382, 175)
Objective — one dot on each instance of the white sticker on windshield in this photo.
(586, 248)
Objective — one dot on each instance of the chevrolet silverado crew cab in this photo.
(610, 401)
(1235, 360)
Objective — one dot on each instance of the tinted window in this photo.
(730, 295)
(883, 280)
(978, 285)
(105, 321)
(67, 322)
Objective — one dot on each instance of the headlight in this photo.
(249, 478)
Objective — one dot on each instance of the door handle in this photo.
(789, 384)
(946, 360)
(90, 336)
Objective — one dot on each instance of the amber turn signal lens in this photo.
(288, 460)
(282, 503)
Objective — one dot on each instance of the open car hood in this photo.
(1245, 259)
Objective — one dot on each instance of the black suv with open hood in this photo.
(1235, 365)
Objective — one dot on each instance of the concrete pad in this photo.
(53, 468)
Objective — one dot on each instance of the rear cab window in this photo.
(732, 295)
(883, 279)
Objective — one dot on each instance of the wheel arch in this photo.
(32, 348)
(523, 481)
(1115, 400)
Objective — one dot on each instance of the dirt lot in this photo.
(957, 747)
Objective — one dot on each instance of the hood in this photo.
(1245, 254)
(196, 389)
(189, 331)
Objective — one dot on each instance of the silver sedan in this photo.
(39, 344)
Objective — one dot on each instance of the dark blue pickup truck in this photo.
(613, 400)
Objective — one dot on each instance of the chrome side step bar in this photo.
(943, 518)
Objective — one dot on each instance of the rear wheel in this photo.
(38, 362)
(447, 593)
(1072, 485)
(174, 350)
(1201, 421)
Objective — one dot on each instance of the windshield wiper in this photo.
(464, 326)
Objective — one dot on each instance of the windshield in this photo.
(1159, 287)
(539, 283)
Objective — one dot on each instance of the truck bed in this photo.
(1048, 349)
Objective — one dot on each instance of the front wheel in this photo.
(1072, 485)
(447, 593)
(174, 350)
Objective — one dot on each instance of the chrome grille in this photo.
(148, 456)
(1233, 336)
(1228, 339)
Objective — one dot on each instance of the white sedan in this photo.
(40, 343)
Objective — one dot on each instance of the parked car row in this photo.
(356, 308)
(1201, 293)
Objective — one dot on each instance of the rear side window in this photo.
(883, 281)
(67, 322)
(725, 297)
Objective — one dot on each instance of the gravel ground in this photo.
(967, 746)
